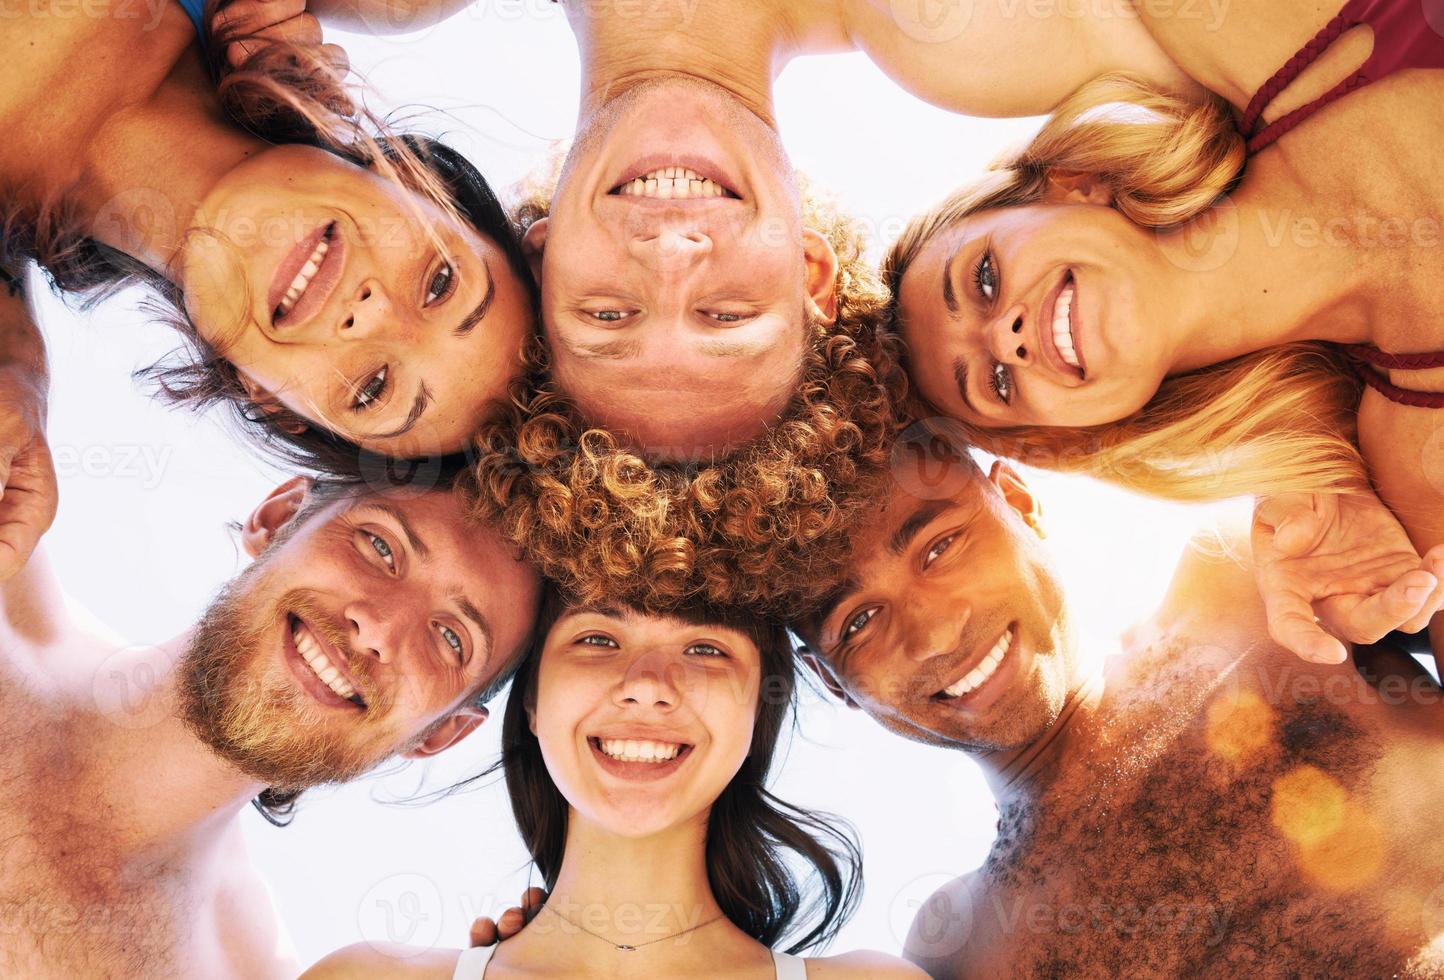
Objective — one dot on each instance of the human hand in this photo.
(485, 932)
(257, 23)
(29, 493)
(1337, 567)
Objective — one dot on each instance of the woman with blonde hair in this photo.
(1119, 298)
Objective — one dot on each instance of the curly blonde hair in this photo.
(1273, 421)
(765, 527)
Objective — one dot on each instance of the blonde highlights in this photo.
(1274, 421)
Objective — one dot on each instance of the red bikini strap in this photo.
(1291, 69)
(1375, 379)
(1271, 132)
(1395, 362)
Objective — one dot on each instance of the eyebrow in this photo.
(730, 348)
(950, 298)
(903, 537)
(611, 350)
(418, 407)
(472, 613)
(960, 374)
(413, 540)
(468, 323)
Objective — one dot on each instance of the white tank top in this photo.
(471, 965)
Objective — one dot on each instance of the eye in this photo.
(985, 276)
(454, 641)
(722, 317)
(598, 640)
(858, 623)
(370, 391)
(937, 550)
(442, 284)
(1000, 379)
(705, 650)
(609, 316)
(379, 545)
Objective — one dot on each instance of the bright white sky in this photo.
(141, 538)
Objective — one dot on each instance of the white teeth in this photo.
(303, 278)
(319, 663)
(638, 750)
(984, 670)
(1063, 326)
(672, 182)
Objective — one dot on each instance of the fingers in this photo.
(483, 932)
(1293, 627)
(302, 30)
(1295, 520)
(512, 921)
(1433, 602)
(534, 897)
(1405, 601)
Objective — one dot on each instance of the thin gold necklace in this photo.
(627, 947)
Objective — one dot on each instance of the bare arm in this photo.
(1007, 58)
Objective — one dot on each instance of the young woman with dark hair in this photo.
(637, 750)
(348, 291)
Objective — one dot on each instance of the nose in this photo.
(935, 631)
(1003, 337)
(373, 633)
(650, 682)
(365, 311)
(670, 248)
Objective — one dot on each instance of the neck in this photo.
(1023, 773)
(605, 879)
(620, 49)
(150, 166)
(180, 796)
(1259, 272)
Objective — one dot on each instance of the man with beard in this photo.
(371, 624)
(1206, 803)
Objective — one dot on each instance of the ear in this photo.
(270, 405)
(824, 674)
(1066, 188)
(534, 243)
(821, 282)
(272, 514)
(449, 732)
(1018, 496)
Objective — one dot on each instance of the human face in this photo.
(1054, 314)
(644, 720)
(677, 310)
(951, 627)
(354, 303)
(357, 635)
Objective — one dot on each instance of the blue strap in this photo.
(194, 10)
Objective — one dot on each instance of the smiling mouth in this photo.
(673, 183)
(980, 674)
(303, 278)
(639, 750)
(1064, 339)
(314, 657)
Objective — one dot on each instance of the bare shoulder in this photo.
(1214, 573)
(942, 927)
(363, 961)
(862, 963)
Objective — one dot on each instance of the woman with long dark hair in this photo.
(637, 750)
